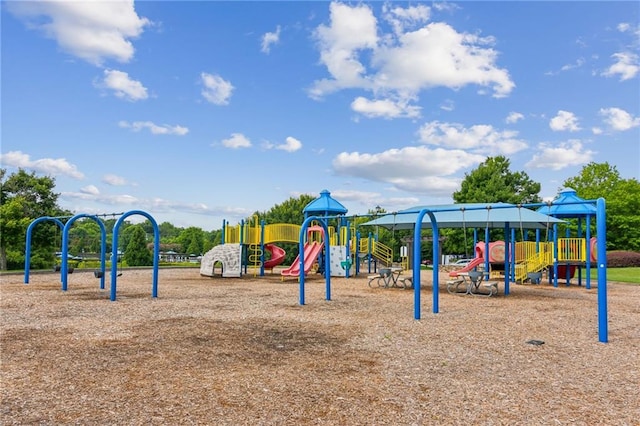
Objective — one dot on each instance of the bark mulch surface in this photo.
(243, 351)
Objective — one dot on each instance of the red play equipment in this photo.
(311, 252)
(477, 261)
(277, 256)
(312, 249)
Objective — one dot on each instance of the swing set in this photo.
(64, 268)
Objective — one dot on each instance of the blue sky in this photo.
(201, 111)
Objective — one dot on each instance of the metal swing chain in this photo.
(548, 219)
(464, 228)
(520, 217)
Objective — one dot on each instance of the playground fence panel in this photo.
(572, 250)
(282, 232)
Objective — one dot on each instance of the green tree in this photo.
(168, 232)
(290, 211)
(192, 240)
(125, 233)
(137, 253)
(25, 197)
(622, 196)
(211, 239)
(84, 237)
(595, 180)
(491, 182)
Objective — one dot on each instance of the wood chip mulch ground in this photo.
(243, 351)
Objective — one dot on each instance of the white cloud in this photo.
(626, 65)
(402, 18)
(385, 108)
(596, 130)
(415, 169)
(237, 140)
(577, 64)
(155, 129)
(619, 119)
(623, 27)
(566, 154)
(48, 166)
(367, 199)
(564, 121)
(480, 138)
(514, 117)
(269, 39)
(123, 86)
(402, 64)
(114, 180)
(91, 30)
(448, 105)
(90, 190)
(351, 29)
(437, 55)
(290, 144)
(216, 89)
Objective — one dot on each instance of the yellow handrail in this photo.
(382, 252)
(378, 250)
(532, 257)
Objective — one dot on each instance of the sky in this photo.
(199, 111)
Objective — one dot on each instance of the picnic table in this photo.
(470, 283)
(388, 278)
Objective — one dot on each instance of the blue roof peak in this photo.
(325, 204)
(568, 204)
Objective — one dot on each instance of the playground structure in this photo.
(66, 226)
(559, 256)
(503, 215)
(243, 246)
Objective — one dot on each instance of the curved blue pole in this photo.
(417, 242)
(114, 252)
(65, 247)
(601, 230)
(27, 251)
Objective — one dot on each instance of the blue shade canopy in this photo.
(475, 215)
(568, 204)
(324, 205)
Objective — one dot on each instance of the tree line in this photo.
(25, 197)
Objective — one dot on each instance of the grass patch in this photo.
(624, 275)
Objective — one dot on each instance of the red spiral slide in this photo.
(277, 256)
